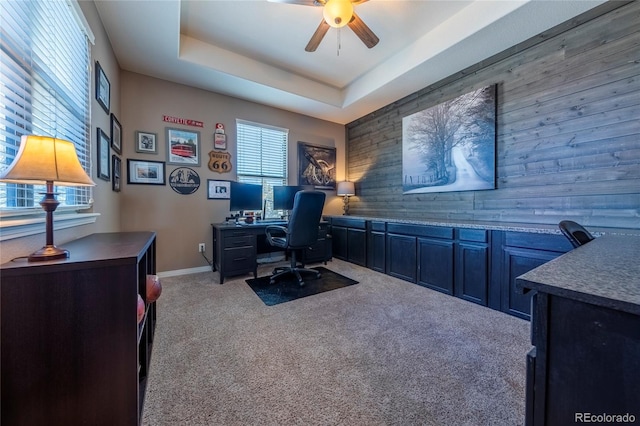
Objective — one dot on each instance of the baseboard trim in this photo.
(178, 272)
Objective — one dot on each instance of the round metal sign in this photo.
(184, 180)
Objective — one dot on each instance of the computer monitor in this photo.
(283, 196)
(245, 196)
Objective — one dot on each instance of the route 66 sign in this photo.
(219, 162)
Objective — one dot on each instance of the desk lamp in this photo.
(346, 189)
(44, 160)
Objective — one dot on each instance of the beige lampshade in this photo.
(41, 159)
(346, 188)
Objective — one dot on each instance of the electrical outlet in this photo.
(201, 247)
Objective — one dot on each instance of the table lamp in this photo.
(44, 160)
(346, 189)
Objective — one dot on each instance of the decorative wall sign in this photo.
(184, 180)
(316, 166)
(219, 141)
(451, 146)
(103, 88)
(220, 162)
(183, 147)
(145, 172)
(185, 121)
(218, 189)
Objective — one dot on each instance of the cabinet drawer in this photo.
(239, 259)
(477, 235)
(243, 241)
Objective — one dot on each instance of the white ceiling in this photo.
(254, 49)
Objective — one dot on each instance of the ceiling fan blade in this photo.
(363, 32)
(301, 2)
(317, 37)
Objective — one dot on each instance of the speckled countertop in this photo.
(497, 226)
(604, 272)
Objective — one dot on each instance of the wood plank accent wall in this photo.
(568, 132)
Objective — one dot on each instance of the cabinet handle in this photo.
(240, 258)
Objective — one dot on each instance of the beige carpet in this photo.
(383, 352)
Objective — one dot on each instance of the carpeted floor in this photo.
(287, 288)
(383, 352)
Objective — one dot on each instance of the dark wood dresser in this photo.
(72, 351)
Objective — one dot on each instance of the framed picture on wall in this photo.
(218, 189)
(146, 142)
(145, 172)
(183, 147)
(103, 88)
(316, 166)
(103, 155)
(116, 134)
(116, 166)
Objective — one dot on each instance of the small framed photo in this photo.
(145, 172)
(103, 88)
(116, 134)
(116, 166)
(219, 141)
(218, 189)
(103, 155)
(183, 147)
(146, 142)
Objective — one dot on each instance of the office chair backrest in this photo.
(304, 219)
(575, 233)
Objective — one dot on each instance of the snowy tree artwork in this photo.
(451, 146)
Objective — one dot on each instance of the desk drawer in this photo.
(239, 259)
(239, 241)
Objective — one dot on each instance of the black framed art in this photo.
(316, 166)
(103, 155)
(145, 172)
(103, 88)
(116, 134)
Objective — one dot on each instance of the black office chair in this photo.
(300, 233)
(575, 233)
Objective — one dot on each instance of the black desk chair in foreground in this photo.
(575, 233)
(300, 233)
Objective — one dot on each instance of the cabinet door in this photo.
(401, 257)
(435, 266)
(472, 272)
(517, 261)
(375, 251)
(339, 242)
(357, 246)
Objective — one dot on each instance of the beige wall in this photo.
(107, 203)
(183, 221)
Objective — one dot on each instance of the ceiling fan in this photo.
(337, 14)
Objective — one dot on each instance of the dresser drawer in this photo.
(239, 259)
(239, 241)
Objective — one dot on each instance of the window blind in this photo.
(262, 158)
(45, 82)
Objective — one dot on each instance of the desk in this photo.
(586, 332)
(236, 247)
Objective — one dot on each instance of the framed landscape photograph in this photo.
(146, 142)
(451, 146)
(145, 172)
(316, 166)
(183, 147)
(103, 155)
(218, 189)
(116, 134)
(103, 89)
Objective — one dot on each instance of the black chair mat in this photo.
(286, 288)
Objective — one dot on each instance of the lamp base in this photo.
(49, 252)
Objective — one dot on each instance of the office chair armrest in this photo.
(275, 231)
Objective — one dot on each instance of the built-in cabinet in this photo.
(73, 352)
(478, 265)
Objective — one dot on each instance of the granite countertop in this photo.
(496, 226)
(604, 272)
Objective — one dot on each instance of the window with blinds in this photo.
(45, 83)
(262, 159)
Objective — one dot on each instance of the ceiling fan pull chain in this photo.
(339, 44)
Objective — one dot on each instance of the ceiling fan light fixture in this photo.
(337, 13)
